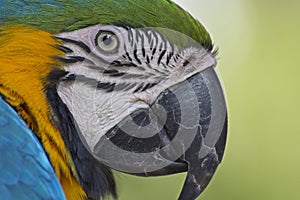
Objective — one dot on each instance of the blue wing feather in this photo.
(25, 171)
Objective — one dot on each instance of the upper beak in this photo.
(184, 130)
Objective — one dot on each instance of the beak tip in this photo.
(199, 175)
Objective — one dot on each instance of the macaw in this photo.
(91, 86)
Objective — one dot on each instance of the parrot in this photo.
(89, 87)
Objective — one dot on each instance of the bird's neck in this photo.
(25, 62)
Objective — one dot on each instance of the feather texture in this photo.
(56, 16)
(25, 62)
(26, 172)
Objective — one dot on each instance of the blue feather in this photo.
(21, 8)
(25, 171)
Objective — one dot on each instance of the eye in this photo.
(107, 41)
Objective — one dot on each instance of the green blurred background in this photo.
(259, 43)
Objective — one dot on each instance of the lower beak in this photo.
(183, 131)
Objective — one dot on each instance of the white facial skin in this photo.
(97, 110)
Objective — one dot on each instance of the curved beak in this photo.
(183, 131)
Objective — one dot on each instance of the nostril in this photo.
(187, 62)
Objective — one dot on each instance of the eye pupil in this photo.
(107, 40)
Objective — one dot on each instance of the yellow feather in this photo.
(25, 62)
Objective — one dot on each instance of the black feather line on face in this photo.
(64, 49)
(78, 43)
(56, 74)
(96, 179)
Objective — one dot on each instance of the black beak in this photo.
(184, 130)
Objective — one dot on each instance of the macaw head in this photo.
(131, 86)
